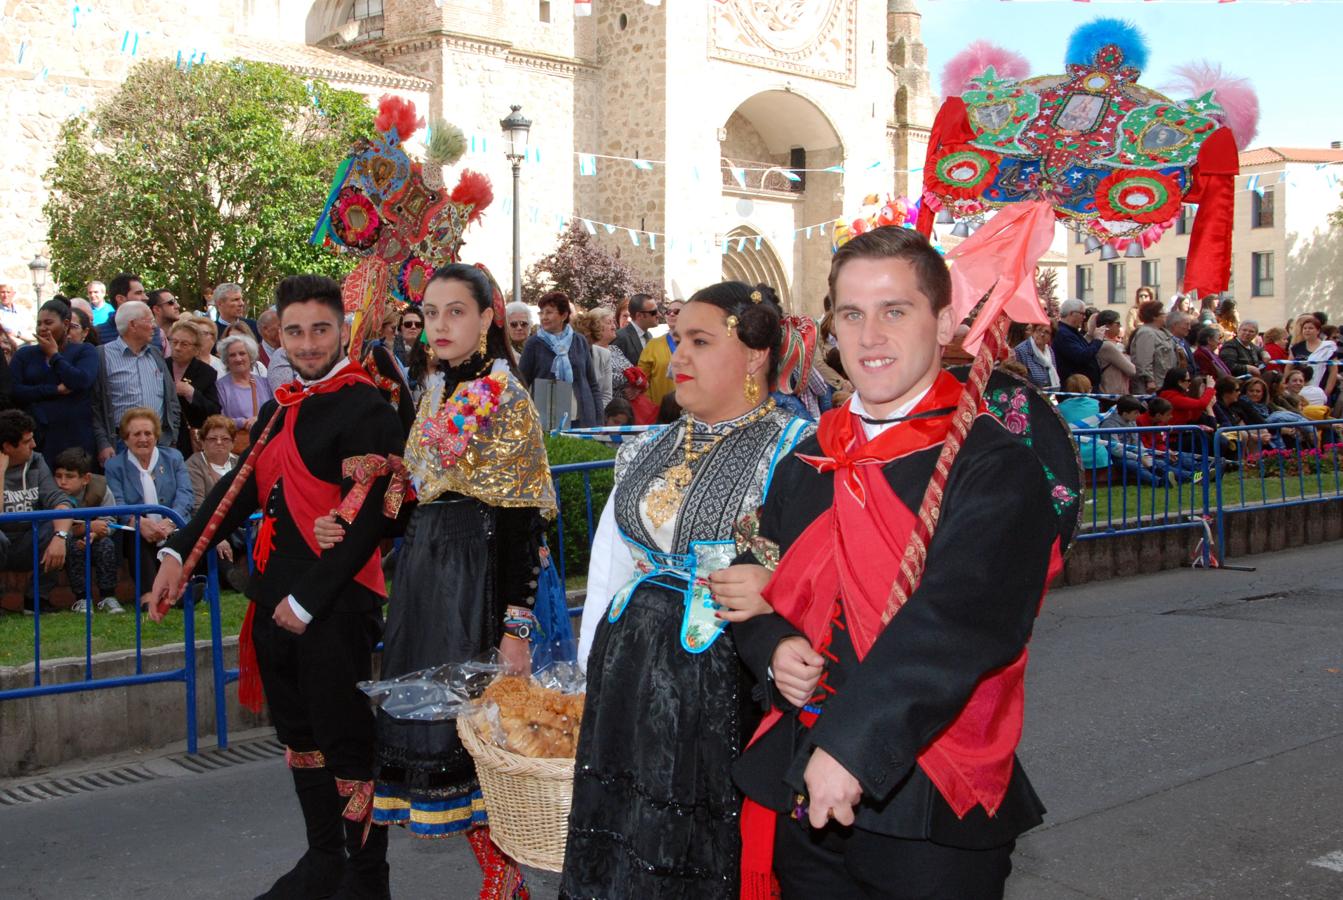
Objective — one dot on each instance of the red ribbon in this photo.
(359, 808)
(365, 470)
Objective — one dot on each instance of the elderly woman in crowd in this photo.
(1036, 353)
(1207, 344)
(557, 352)
(215, 459)
(241, 329)
(147, 473)
(194, 380)
(599, 327)
(241, 392)
(519, 318)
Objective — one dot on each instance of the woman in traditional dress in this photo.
(466, 574)
(655, 813)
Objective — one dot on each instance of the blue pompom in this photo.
(1090, 38)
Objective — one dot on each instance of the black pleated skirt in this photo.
(442, 611)
(655, 813)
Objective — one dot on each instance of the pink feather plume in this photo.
(962, 68)
(1235, 95)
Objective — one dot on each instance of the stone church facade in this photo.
(718, 99)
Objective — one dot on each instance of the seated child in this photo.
(619, 412)
(1168, 463)
(73, 472)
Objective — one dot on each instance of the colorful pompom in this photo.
(971, 62)
(1235, 95)
(1091, 38)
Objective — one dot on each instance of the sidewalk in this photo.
(1183, 729)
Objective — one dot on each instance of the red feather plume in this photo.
(399, 113)
(473, 189)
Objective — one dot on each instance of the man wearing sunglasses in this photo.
(634, 337)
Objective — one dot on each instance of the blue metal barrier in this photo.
(186, 674)
(1304, 471)
(1141, 488)
(585, 469)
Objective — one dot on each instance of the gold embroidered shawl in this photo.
(504, 464)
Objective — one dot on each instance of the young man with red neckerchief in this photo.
(315, 615)
(886, 766)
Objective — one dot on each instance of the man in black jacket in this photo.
(1075, 353)
(886, 765)
(634, 337)
(316, 615)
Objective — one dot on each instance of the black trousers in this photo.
(310, 681)
(16, 555)
(851, 864)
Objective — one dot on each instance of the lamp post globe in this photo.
(39, 267)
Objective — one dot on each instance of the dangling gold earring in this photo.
(484, 340)
(752, 390)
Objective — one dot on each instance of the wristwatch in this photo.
(62, 534)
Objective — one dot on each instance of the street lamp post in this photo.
(516, 126)
(39, 267)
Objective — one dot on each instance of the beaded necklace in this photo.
(663, 502)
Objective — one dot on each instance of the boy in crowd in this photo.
(1168, 462)
(73, 471)
(28, 487)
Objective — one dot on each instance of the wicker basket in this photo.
(527, 800)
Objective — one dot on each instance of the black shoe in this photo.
(319, 871)
(366, 871)
(43, 605)
(316, 876)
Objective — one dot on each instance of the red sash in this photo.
(276, 456)
(852, 553)
(306, 497)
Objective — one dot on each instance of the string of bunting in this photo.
(654, 240)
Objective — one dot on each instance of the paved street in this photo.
(1184, 730)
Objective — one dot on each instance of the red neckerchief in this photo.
(852, 554)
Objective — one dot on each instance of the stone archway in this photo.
(755, 263)
(781, 157)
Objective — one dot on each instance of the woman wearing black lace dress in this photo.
(655, 813)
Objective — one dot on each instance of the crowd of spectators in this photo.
(123, 397)
(116, 398)
(1178, 366)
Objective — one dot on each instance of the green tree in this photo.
(588, 274)
(192, 177)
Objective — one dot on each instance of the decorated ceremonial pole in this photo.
(1010, 155)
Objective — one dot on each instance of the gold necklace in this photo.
(662, 503)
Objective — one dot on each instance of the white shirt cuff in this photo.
(303, 615)
(167, 552)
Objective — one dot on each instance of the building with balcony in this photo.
(1286, 259)
(815, 104)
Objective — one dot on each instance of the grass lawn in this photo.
(1117, 503)
(63, 632)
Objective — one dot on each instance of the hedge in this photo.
(573, 503)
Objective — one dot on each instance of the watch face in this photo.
(524, 632)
